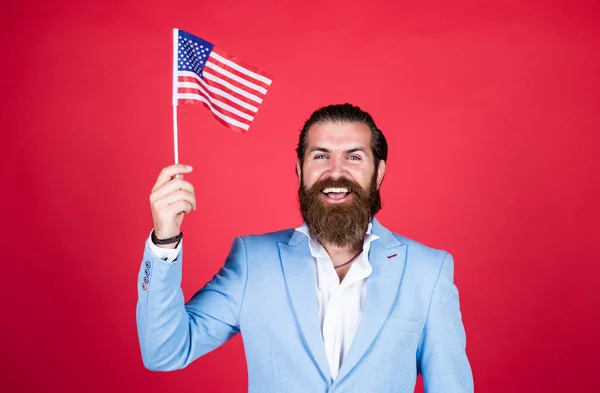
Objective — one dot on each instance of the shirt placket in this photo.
(332, 316)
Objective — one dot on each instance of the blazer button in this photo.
(144, 286)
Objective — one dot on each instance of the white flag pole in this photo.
(175, 52)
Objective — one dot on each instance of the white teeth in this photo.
(332, 189)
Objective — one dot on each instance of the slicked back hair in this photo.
(344, 113)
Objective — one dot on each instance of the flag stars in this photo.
(191, 54)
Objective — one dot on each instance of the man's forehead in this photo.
(341, 135)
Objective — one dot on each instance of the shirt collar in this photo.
(318, 251)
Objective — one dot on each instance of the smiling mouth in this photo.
(336, 194)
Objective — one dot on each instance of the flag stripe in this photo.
(216, 107)
(240, 67)
(230, 126)
(230, 75)
(183, 82)
(212, 79)
(220, 104)
(219, 83)
(228, 119)
(251, 104)
(213, 62)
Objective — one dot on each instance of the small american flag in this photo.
(231, 89)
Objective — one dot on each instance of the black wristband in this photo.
(174, 239)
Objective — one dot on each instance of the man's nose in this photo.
(336, 168)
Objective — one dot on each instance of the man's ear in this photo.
(298, 169)
(380, 173)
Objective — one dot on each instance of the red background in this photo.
(490, 110)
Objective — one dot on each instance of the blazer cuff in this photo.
(166, 254)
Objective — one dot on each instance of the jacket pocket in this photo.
(410, 325)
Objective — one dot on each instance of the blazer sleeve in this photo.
(441, 357)
(172, 333)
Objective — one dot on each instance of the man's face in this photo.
(338, 182)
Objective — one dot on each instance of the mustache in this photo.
(341, 182)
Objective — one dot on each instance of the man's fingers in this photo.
(168, 172)
(169, 187)
(180, 207)
(175, 196)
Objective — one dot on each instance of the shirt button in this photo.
(147, 264)
(144, 286)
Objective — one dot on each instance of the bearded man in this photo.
(339, 304)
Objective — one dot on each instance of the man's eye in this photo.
(354, 157)
(320, 156)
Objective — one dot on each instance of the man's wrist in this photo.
(166, 254)
(169, 243)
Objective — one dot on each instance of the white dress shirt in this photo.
(340, 304)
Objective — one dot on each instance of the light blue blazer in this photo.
(266, 290)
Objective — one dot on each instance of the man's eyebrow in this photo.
(319, 148)
(355, 149)
(325, 150)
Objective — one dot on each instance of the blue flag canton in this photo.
(192, 52)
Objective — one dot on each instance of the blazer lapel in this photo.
(382, 289)
(300, 279)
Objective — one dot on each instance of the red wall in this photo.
(491, 113)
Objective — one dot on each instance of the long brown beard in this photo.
(342, 224)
